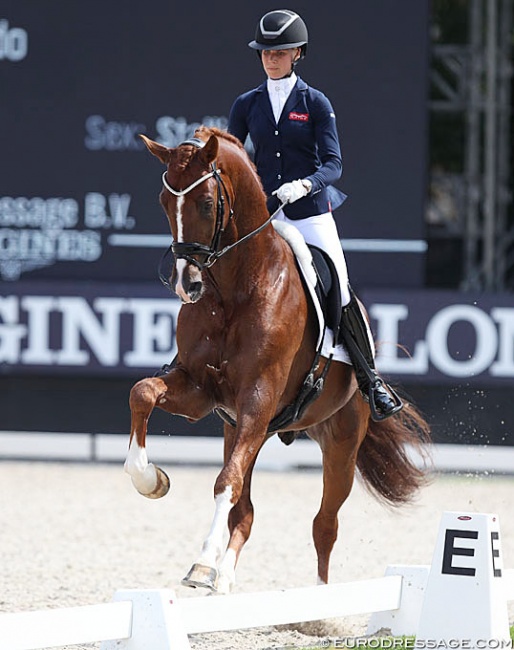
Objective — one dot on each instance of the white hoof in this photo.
(153, 483)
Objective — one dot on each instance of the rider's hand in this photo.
(291, 192)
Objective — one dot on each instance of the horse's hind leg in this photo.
(339, 438)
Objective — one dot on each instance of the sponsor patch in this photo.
(299, 117)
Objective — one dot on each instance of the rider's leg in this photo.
(356, 336)
(321, 231)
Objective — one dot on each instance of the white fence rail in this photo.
(408, 600)
(113, 621)
(69, 626)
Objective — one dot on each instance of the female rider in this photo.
(293, 130)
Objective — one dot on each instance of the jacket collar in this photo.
(300, 85)
(294, 97)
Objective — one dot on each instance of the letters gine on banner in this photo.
(126, 329)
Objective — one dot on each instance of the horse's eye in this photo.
(206, 207)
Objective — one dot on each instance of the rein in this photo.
(212, 253)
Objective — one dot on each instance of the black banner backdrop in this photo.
(77, 356)
(120, 329)
(79, 81)
(82, 314)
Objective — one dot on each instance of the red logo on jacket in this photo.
(299, 117)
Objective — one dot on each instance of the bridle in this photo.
(211, 253)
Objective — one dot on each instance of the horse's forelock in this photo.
(181, 157)
(205, 132)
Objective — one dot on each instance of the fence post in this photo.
(403, 621)
(156, 621)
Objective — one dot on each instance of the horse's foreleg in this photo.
(169, 393)
(240, 525)
(204, 572)
(149, 480)
(233, 509)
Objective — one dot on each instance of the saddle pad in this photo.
(303, 255)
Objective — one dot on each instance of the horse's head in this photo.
(193, 198)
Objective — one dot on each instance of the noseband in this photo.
(211, 254)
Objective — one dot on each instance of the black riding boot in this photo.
(383, 401)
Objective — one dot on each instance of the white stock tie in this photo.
(279, 90)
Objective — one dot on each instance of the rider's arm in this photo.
(327, 140)
(237, 124)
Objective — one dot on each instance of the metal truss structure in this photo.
(475, 79)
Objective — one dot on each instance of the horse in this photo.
(246, 338)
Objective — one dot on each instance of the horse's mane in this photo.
(205, 132)
(185, 152)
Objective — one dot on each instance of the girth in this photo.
(310, 390)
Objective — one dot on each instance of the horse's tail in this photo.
(384, 459)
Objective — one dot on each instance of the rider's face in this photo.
(278, 63)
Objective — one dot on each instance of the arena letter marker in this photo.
(465, 598)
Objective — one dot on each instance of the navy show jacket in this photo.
(304, 144)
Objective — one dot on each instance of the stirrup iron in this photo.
(376, 415)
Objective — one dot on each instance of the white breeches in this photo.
(321, 231)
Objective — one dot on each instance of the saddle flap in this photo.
(327, 287)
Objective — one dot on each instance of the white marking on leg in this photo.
(319, 581)
(213, 545)
(142, 473)
(227, 572)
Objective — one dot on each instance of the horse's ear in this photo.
(158, 150)
(210, 151)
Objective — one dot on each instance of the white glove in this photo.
(291, 192)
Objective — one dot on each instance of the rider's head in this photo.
(281, 41)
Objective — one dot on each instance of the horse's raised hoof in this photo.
(161, 484)
(202, 576)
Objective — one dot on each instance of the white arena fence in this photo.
(460, 601)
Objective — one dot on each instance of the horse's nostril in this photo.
(195, 289)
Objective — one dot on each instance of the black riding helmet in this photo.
(280, 29)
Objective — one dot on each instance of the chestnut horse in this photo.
(246, 338)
